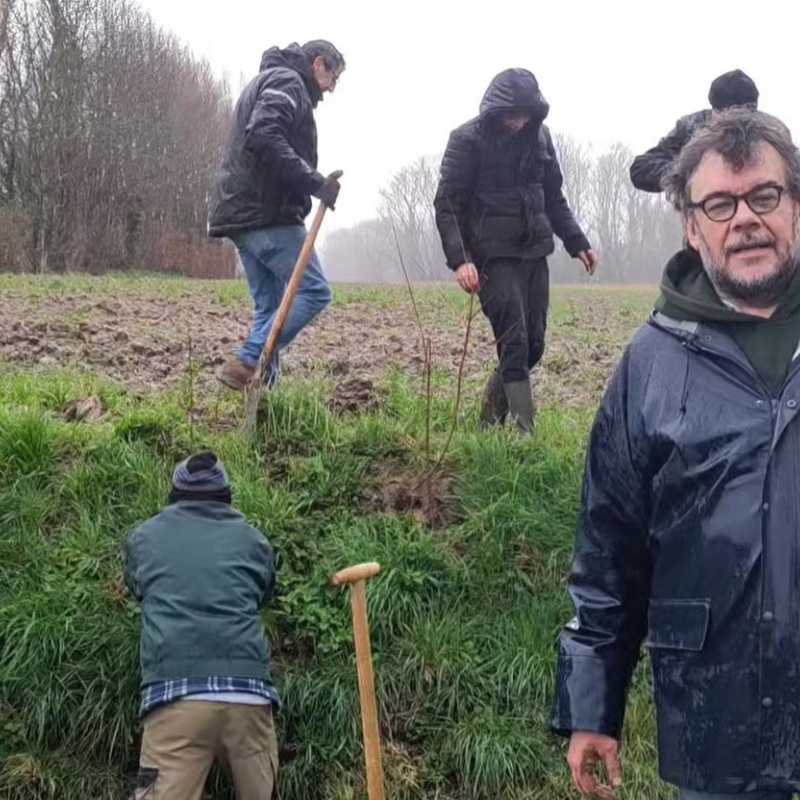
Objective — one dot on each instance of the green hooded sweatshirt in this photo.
(769, 344)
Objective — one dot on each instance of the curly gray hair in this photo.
(735, 134)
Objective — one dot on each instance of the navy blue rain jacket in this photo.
(688, 543)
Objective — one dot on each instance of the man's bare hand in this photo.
(589, 260)
(586, 752)
(467, 277)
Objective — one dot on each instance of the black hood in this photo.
(293, 57)
(514, 89)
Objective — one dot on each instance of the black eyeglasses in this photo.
(722, 206)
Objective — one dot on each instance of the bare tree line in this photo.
(635, 232)
(404, 227)
(110, 133)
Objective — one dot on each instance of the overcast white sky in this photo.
(611, 71)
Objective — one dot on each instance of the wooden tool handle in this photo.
(366, 690)
(359, 572)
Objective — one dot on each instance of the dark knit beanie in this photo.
(201, 477)
(732, 88)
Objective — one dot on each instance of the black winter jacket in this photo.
(649, 168)
(688, 540)
(269, 169)
(499, 194)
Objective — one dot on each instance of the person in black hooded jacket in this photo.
(263, 192)
(498, 204)
(728, 90)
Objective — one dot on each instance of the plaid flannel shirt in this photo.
(158, 694)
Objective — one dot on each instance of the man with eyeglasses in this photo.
(728, 90)
(688, 534)
(263, 193)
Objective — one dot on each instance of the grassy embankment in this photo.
(464, 616)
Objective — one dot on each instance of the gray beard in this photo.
(764, 293)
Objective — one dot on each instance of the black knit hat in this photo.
(732, 88)
(201, 477)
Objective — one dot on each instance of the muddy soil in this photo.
(148, 342)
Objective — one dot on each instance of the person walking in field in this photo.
(263, 193)
(201, 575)
(498, 204)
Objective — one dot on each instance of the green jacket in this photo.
(201, 574)
(769, 344)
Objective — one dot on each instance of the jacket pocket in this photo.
(678, 624)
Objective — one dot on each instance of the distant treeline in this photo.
(110, 133)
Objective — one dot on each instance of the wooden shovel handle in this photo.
(359, 572)
(356, 576)
(366, 691)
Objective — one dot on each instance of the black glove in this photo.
(329, 190)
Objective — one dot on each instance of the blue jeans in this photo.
(268, 256)
(686, 794)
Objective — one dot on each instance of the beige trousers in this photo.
(182, 739)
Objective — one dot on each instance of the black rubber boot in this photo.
(520, 404)
(494, 405)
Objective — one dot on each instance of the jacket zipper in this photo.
(692, 344)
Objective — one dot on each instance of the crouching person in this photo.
(201, 574)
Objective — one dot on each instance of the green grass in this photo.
(227, 292)
(464, 618)
(434, 300)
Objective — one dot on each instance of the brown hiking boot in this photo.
(235, 374)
